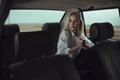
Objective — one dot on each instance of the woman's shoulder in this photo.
(64, 33)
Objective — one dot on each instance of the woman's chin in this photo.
(72, 29)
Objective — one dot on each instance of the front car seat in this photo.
(106, 54)
(99, 32)
(57, 67)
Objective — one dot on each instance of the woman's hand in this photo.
(78, 45)
(84, 44)
(79, 42)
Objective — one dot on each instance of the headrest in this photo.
(30, 45)
(52, 27)
(11, 30)
(101, 31)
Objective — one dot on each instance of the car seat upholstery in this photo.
(29, 45)
(57, 67)
(8, 43)
(106, 55)
(99, 32)
(54, 29)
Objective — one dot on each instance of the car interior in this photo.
(29, 33)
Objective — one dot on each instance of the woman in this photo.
(72, 39)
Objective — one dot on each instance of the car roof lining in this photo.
(64, 4)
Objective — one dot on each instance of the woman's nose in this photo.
(73, 23)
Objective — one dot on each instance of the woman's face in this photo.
(73, 22)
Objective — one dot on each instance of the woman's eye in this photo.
(76, 20)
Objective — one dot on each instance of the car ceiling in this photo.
(64, 4)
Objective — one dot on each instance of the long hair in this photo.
(79, 26)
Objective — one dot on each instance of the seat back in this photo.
(29, 45)
(99, 32)
(58, 67)
(8, 44)
(106, 54)
(54, 29)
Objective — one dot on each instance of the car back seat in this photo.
(29, 45)
(54, 29)
(8, 44)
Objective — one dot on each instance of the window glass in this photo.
(33, 20)
(106, 15)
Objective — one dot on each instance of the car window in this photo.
(33, 20)
(106, 15)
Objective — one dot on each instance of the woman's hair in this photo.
(79, 18)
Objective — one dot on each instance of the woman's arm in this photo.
(62, 46)
(77, 46)
(87, 43)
